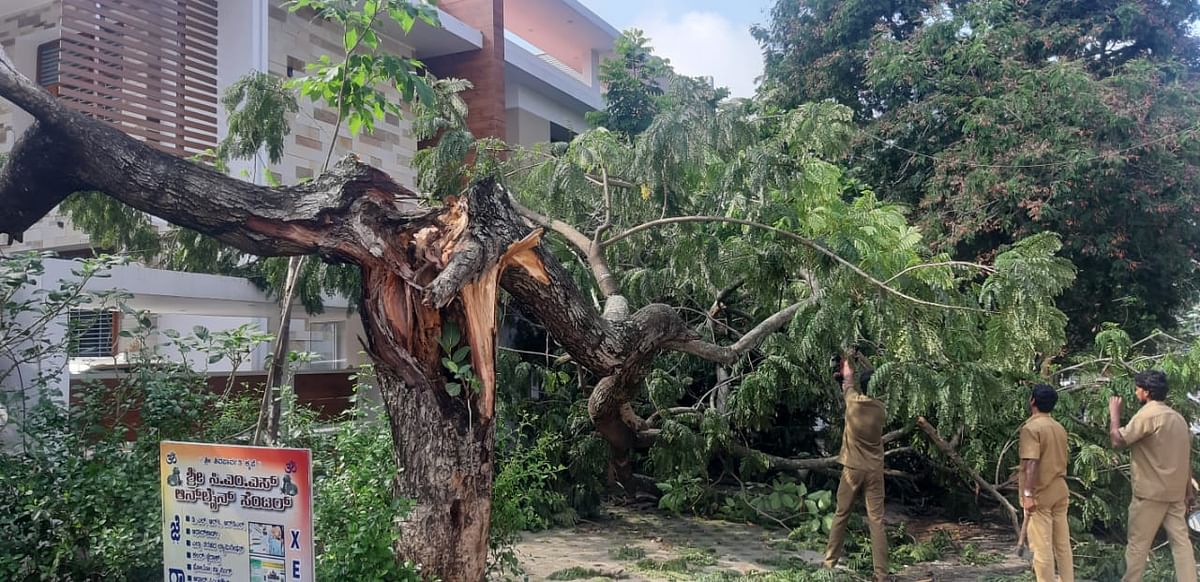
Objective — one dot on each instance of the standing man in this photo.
(1161, 449)
(862, 463)
(1043, 481)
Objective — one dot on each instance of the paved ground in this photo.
(646, 546)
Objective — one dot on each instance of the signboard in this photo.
(236, 514)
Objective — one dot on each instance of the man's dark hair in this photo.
(1045, 397)
(1154, 382)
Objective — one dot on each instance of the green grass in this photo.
(627, 553)
(971, 555)
(688, 562)
(580, 573)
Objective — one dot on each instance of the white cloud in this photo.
(706, 44)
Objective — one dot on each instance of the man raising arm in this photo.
(1160, 444)
(862, 464)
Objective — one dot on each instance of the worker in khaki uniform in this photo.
(1160, 453)
(862, 464)
(1043, 481)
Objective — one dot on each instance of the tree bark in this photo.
(423, 269)
(447, 468)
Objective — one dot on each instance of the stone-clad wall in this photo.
(20, 35)
(297, 40)
(14, 27)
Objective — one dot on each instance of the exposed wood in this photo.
(479, 299)
(422, 269)
(958, 461)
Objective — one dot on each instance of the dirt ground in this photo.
(629, 544)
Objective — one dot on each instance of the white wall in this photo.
(241, 48)
(526, 129)
(184, 324)
(16, 391)
(20, 43)
(518, 95)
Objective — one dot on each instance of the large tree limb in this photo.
(616, 307)
(958, 461)
(647, 437)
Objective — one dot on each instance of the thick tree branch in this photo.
(646, 439)
(729, 354)
(955, 458)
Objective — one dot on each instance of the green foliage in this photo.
(258, 106)
(351, 86)
(457, 361)
(627, 553)
(787, 503)
(680, 494)
(687, 563)
(760, 216)
(904, 550)
(559, 408)
(953, 105)
(802, 573)
(1098, 560)
(971, 555)
(578, 573)
(355, 508)
(82, 486)
(526, 492)
(631, 80)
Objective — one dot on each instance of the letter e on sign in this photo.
(295, 569)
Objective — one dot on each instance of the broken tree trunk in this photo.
(423, 269)
(955, 458)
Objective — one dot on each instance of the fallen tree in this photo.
(431, 275)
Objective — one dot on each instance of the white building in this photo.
(156, 69)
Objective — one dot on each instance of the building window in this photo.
(559, 133)
(47, 65)
(294, 66)
(322, 343)
(93, 333)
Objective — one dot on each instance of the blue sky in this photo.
(700, 37)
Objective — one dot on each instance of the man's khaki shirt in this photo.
(1044, 440)
(1160, 452)
(862, 438)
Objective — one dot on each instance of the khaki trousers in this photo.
(1050, 540)
(870, 484)
(1145, 517)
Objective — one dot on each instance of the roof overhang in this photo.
(524, 66)
(454, 36)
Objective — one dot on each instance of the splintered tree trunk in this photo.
(423, 269)
(447, 469)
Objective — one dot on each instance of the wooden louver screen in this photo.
(149, 67)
